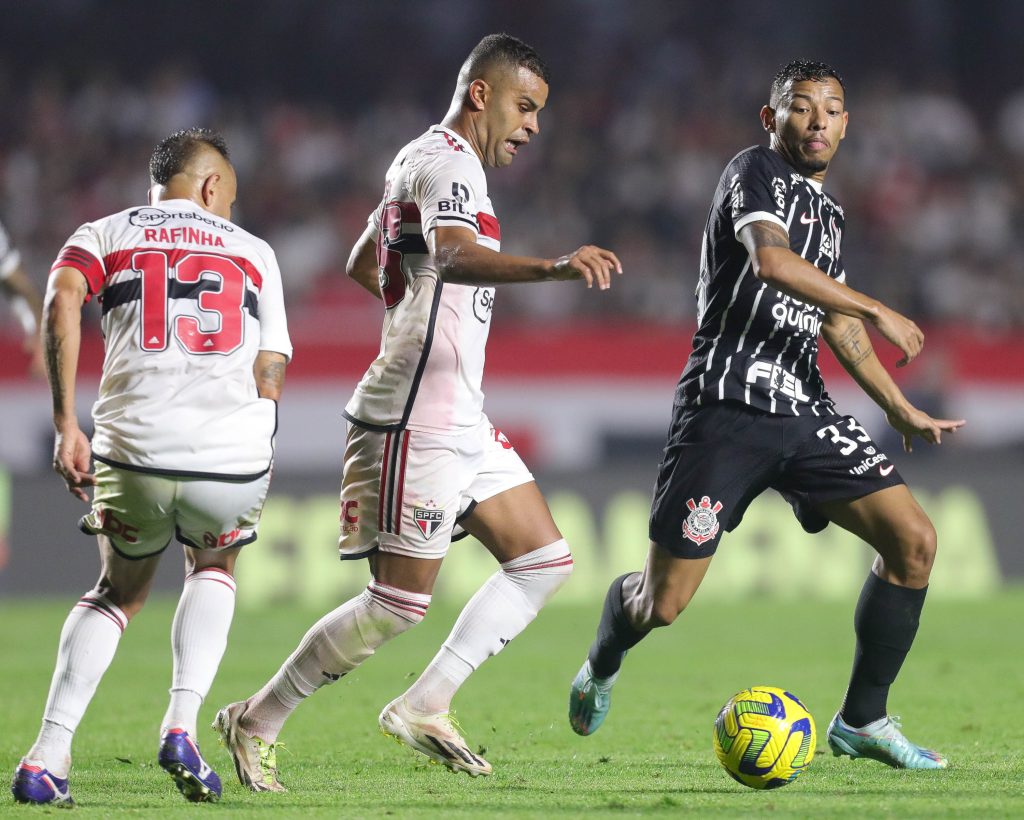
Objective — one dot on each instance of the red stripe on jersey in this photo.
(122, 260)
(489, 226)
(81, 260)
(452, 143)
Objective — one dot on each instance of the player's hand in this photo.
(590, 263)
(900, 331)
(912, 422)
(72, 455)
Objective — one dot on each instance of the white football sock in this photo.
(333, 647)
(88, 642)
(199, 636)
(500, 610)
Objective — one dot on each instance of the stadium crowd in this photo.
(630, 150)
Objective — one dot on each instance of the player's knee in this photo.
(390, 611)
(540, 574)
(919, 547)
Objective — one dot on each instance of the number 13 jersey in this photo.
(188, 300)
(428, 373)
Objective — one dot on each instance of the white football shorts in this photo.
(140, 512)
(405, 492)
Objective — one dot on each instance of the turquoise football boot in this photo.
(590, 699)
(881, 740)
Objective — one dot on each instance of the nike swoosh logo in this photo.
(886, 470)
(808, 220)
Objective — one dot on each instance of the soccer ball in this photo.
(764, 737)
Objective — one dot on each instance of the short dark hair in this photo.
(173, 153)
(504, 48)
(798, 71)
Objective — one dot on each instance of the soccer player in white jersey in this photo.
(423, 464)
(26, 300)
(196, 349)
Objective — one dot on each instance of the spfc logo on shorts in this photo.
(702, 523)
(428, 520)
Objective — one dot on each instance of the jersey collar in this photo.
(443, 129)
(813, 183)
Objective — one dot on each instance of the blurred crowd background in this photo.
(648, 101)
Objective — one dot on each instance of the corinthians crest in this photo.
(702, 523)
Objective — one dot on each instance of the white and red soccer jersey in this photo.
(10, 259)
(188, 301)
(431, 362)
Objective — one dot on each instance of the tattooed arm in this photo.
(774, 263)
(269, 370)
(62, 335)
(849, 341)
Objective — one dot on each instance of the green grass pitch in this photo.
(961, 691)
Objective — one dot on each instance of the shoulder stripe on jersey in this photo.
(122, 260)
(122, 293)
(83, 261)
(489, 226)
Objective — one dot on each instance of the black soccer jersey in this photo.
(754, 344)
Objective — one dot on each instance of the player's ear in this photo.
(209, 189)
(477, 94)
(768, 119)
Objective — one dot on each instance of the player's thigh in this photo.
(133, 511)
(503, 508)
(828, 460)
(665, 587)
(405, 572)
(219, 514)
(716, 461)
(401, 491)
(513, 522)
(892, 522)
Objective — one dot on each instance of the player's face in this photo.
(511, 114)
(808, 124)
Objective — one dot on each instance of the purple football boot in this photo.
(180, 758)
(34, 784)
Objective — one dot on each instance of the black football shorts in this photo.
(720, 457)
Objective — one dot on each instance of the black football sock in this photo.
(885, 623)
(615, 634)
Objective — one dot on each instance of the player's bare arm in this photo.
(62, 331)
(460, 259)
(775, 263)
(849, 340)
(269, 370)
(362, 266)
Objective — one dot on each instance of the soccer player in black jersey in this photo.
(751, 412)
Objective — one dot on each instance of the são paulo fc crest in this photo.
(702, 523)
(428, 520)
